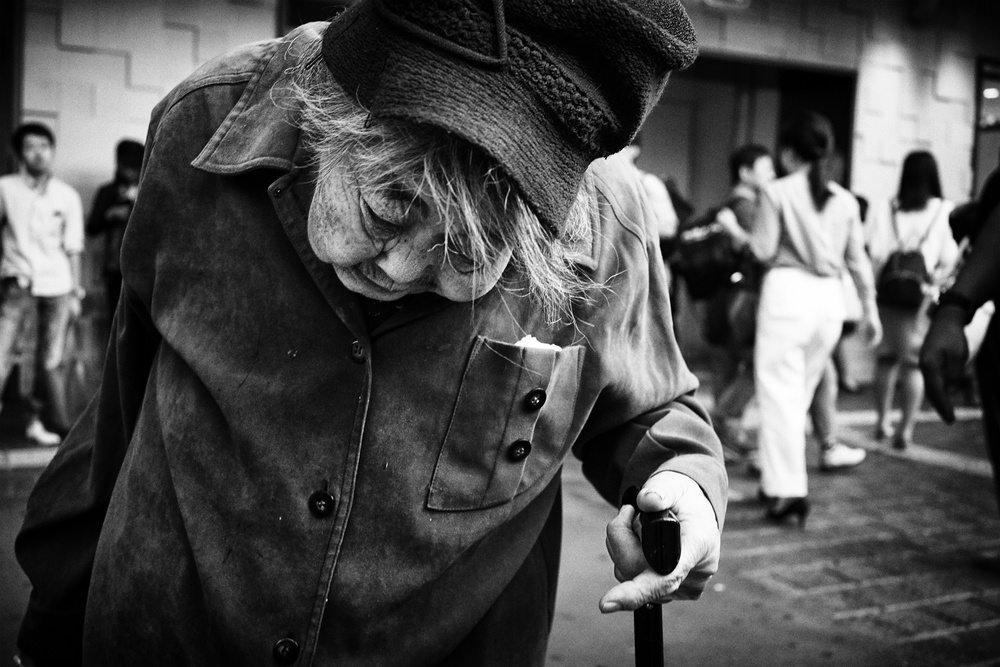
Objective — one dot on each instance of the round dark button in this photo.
(278, 192)
(535, 399)
(519, 450)
(321, 504)
(286, 651)
(358, 352)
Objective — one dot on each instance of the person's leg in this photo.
(821, 383)
(912, 380)
(846, 376)
(823, 409)
(912, 394)
(731, 404)
(779, 374)
(886, 377)
(15, 304)
(53, 326)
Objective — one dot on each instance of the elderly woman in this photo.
(379, 284)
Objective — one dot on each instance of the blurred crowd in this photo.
(789, 266)
(41, 283)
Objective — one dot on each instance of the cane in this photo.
(660, 534)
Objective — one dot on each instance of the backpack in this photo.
(704, 256)
(903, 279)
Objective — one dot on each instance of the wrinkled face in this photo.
(37, 153)
(385, 247)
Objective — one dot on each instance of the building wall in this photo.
(916, 85)
(93, 71)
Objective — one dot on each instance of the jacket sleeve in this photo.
(646, 418)
(66, 509)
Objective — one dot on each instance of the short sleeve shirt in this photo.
(42, 228)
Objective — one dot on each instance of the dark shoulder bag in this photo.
(904, 278)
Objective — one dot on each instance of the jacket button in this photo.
(535, 399)
(321, 504)
(286, 651)
(519, 450)
(358, 352)
(278, 192)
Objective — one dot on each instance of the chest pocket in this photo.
(510, 423)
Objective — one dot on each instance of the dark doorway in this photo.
(717, 106)
(11, 74)
(720, 104)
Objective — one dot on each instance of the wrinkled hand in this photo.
(700, 546)
(871, 329)
(943, 358)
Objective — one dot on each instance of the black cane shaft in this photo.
(649, 636)
(661, 544)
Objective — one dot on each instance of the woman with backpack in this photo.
(807, 231)
(913, 250)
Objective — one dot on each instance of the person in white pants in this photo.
(807, 230)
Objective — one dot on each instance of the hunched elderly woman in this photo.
(382, 277)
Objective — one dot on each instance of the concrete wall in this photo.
(93, 71)
(916, 85)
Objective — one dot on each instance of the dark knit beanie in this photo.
(543, 86)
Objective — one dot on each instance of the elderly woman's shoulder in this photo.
(621, 198)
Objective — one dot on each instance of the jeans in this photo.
(54, 312)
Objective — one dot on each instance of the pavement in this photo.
(882, 573)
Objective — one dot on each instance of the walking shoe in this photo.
(41, 435)
(836, 455)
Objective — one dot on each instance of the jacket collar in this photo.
(268, 101)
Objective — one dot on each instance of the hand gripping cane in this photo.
(660, 534)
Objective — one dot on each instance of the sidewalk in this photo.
(881, 575)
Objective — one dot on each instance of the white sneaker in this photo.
(41, 435)
(836, 455)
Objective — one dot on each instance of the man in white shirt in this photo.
(42, 233)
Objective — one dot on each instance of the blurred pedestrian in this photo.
(945, 352)
(40, 270)
(381, 279)
(915, 222)
(656, 193)
(110, 212)
(807, 230)
(751, 168)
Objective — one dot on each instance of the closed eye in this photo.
(376, 224)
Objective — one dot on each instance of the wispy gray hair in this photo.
(483, 210)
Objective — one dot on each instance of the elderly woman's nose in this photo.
(408, 260)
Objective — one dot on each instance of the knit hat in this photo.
(543, 86)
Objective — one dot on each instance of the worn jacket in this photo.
(264, 480)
